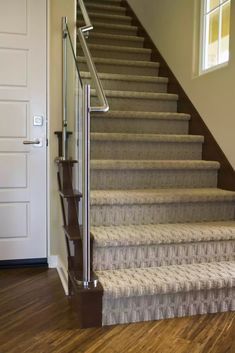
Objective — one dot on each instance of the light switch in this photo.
(38, 120)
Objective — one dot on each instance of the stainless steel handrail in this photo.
(104, 107)
(88, 25)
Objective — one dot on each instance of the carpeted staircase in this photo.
(164, 234)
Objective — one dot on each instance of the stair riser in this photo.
(119, 257)
(145, 150)
(114, 41)
(139, 126)
(137, 104)
(121, 85)
(120, 11)
(122, 69)
(95, 17)
(165, 306)
(107, 215)
(150, 179)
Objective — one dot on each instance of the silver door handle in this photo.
(34, 142)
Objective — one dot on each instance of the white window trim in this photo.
(203, 29)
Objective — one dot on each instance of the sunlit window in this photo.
(215, 39)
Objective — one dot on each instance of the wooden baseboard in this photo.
(211, 150)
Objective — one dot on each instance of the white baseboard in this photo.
(63, 273)
(53, 261)
(56, 262)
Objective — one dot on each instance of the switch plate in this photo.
(37, 120)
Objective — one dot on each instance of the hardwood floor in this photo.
(35, 317)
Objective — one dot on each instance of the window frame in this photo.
(203, 36)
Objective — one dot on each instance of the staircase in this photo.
(163, 233)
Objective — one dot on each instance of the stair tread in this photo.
(105, 7)
(155, 164)
(150, 234)
(108, 16)
(113, 1)
(167, 279)
(143, 95)
(115, 36)
(119, 48)
(109, 25)
(152, 196)
(107, 136)
(121, 62)
(140, 115)
(120, 77)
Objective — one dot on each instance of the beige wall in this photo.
(174, 28)
(57, 9)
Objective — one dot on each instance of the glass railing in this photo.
(76, 120)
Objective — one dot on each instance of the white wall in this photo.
(57, 9)
(174, 27)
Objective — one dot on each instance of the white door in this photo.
(22, 118)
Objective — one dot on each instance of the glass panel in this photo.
(212, 39)
(72, 93)
(224, 43)
(212, 4)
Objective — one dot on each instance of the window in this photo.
(215, 33)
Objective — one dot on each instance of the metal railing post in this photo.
(86, 184)
(64, 88)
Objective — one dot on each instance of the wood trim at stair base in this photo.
(87, 304)
(211, 150)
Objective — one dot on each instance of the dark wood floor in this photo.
(35, 318)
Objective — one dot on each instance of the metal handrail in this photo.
(104, 107)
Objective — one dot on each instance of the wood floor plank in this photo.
(35, 317)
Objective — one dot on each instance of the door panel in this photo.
(13, 119)
(22, 96)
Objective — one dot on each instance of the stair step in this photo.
(118, 52)
(153, 234)
(100, 27)
(106, 2)
(105, 8)
(152, 206)
(130, 82)
(153, 245)
(139, 101)
(132, 295)
(129, 67)
(140, 122)
(145, 146)
(113, 19)
(131, 174)
(114, 39)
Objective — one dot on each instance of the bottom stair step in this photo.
(134, 295)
